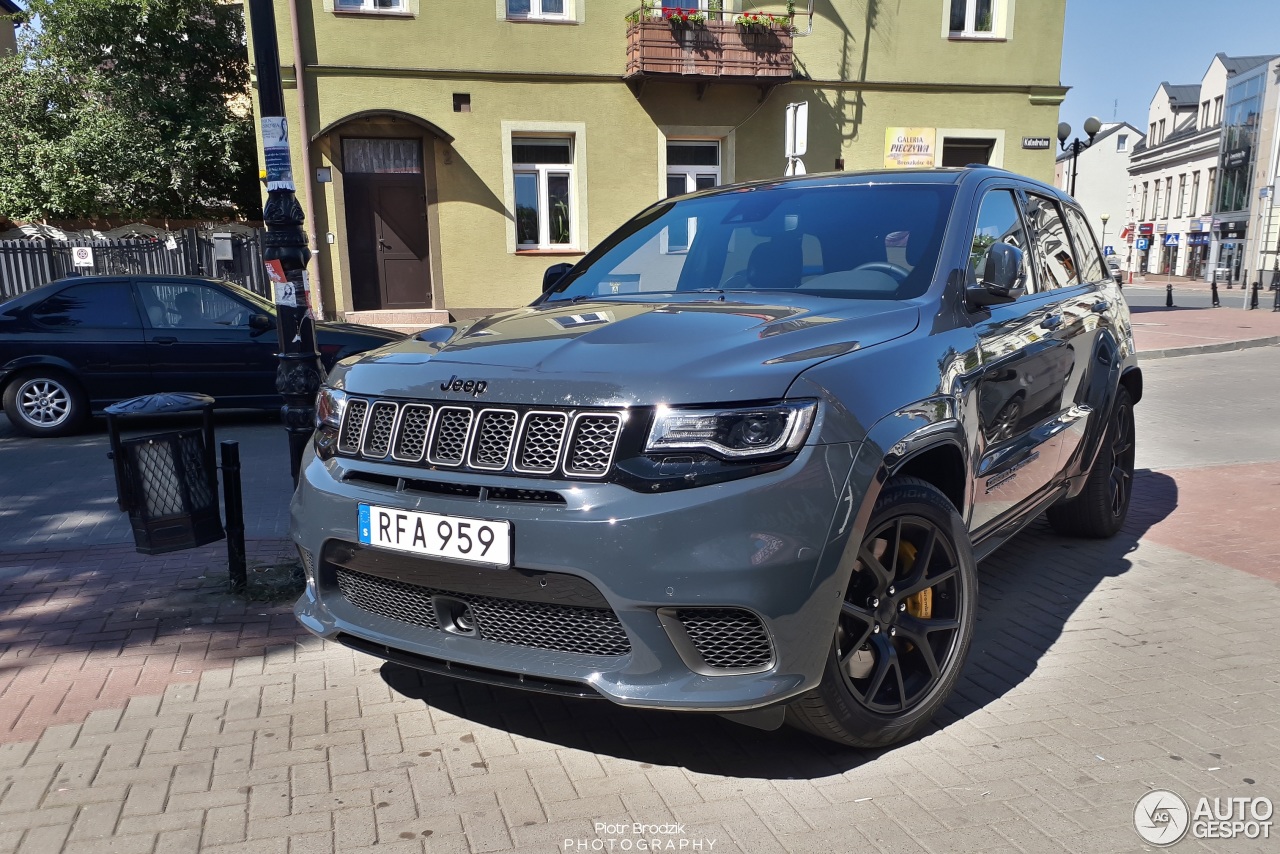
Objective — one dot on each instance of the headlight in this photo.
(733, 433)
(330, 405)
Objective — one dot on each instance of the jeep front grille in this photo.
(540, 625)
(542, 442)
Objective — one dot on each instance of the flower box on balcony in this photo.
(708, 50)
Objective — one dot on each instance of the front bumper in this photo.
(771, 544)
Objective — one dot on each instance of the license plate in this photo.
(453, 537)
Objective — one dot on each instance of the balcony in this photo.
(713, 50)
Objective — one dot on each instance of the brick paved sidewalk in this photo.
(1185, 331)
(208, 725)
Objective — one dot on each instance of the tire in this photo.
(45, 403)
(1100, 509)
(878, 687)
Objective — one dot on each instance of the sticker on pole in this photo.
(291, 291)
(275, 153)
(81, 256)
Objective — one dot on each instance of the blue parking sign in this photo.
(1143, 244)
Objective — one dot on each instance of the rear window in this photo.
(98, 305)
(859, 241)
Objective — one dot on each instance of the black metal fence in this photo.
(232, 256)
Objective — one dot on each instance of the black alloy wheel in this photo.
(900, 621)
(1102, 506)
(904, 626)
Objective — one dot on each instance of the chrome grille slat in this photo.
(353, 425)
(495, 430)
(450, 432)
(541, 438)
(545, 442)
(592, 442)
(411, 435)
(377, 431)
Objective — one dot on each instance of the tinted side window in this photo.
(1091, 269)
(1056, 264)
(189, 305)
(998, 222)
(100, 305)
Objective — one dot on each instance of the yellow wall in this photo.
(866, 71)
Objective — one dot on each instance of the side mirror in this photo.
(1002, 277)
(553, 275)
(260, 323)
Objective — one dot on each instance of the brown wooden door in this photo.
(387, 238)
(400, 223)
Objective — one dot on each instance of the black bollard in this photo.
(232, 498)
(1253, 300)
(1168, 296)
(1275, 306)
(1213, 290)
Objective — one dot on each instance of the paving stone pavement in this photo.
(144, 709)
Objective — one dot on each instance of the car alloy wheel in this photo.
(899, 625)
(44, 402)
(904, 626)
(1122, 456)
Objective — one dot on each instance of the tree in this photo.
(127, 107)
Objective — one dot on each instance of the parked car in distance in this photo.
(74, 346)
(741, 458)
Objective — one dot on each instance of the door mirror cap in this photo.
(261, 322)
(1003, 277)
(553, 275)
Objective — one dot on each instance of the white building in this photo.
(1102, 181)
(1244, 211)
(1173, 175)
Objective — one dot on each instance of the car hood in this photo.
(686, 349)
(360, 330)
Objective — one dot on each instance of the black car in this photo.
(741, 458)
(75, 346)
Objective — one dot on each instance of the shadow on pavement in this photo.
(1028, 592)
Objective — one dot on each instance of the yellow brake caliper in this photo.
(920, 604)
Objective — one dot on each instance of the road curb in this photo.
(1223, 347)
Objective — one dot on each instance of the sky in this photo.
(1116, 52)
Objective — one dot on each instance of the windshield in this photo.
(858, 241)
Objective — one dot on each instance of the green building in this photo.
(457, 150)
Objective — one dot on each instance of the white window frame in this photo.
(1122, 142)
(576, 133)
(371, 7)
(1001, 21)
(690, 174)
(536, 13)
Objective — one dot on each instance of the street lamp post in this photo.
(1104, 218)
(284, 250)
(1091, 127)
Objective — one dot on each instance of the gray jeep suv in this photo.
(742, 458)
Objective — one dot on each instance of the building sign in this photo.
(1201, 239)
(1036, 143)
(1146, 228)
(1235, 158)
(905, 148)
(1194, 225)
(1162, 227)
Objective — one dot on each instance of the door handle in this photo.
(1100, 306)
(1051, 321)
(165, 339)
(383, 245)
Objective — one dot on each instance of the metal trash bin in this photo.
(167, 482)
